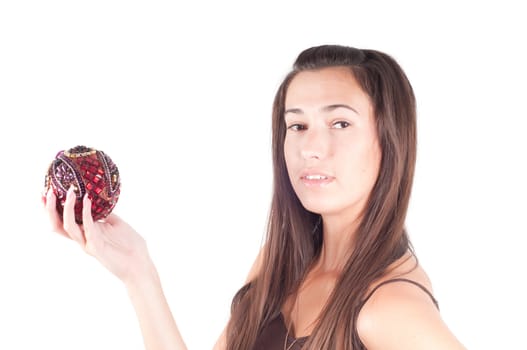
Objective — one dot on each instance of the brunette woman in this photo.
(337, 270)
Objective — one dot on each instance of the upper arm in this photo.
(256, 267)
(401, 316)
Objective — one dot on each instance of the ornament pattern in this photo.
(89, 171)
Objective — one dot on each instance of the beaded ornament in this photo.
(89, 171)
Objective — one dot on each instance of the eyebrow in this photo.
(328, 108)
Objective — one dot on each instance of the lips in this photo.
(316, 178)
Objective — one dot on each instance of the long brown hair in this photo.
(294, 237)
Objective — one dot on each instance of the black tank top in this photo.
(273, 336)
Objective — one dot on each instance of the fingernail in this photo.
(71, 190)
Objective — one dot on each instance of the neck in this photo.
(338, 242)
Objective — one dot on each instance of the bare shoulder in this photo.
(221, 343)
(401, 315)
(255, 270)
(256, 267)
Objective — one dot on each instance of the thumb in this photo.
(113, 219)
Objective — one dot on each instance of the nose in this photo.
(315, 144)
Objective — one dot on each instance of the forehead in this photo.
(330, 85)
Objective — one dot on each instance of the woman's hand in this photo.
(122, 251)
(113, 242)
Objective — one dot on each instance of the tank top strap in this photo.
(402, 280)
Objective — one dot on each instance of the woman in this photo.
(337, 270)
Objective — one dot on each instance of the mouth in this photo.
(316, 179)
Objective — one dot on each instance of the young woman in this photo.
(337, 270)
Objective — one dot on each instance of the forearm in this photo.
(158, 326)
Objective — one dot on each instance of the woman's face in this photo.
(331, 147)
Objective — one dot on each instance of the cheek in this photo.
(362, 164)
(372, 162)
(288, 154)
(293, 162)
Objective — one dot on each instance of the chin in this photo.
(319, 206)
(326, 206)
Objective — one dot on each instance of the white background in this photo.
(179, 96)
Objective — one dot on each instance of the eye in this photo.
(296, 127)
(341, 124)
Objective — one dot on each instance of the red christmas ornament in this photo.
(89, 171)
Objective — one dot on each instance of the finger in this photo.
(70, 226)
(87, 219)
(90, 227)
(53, 215)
